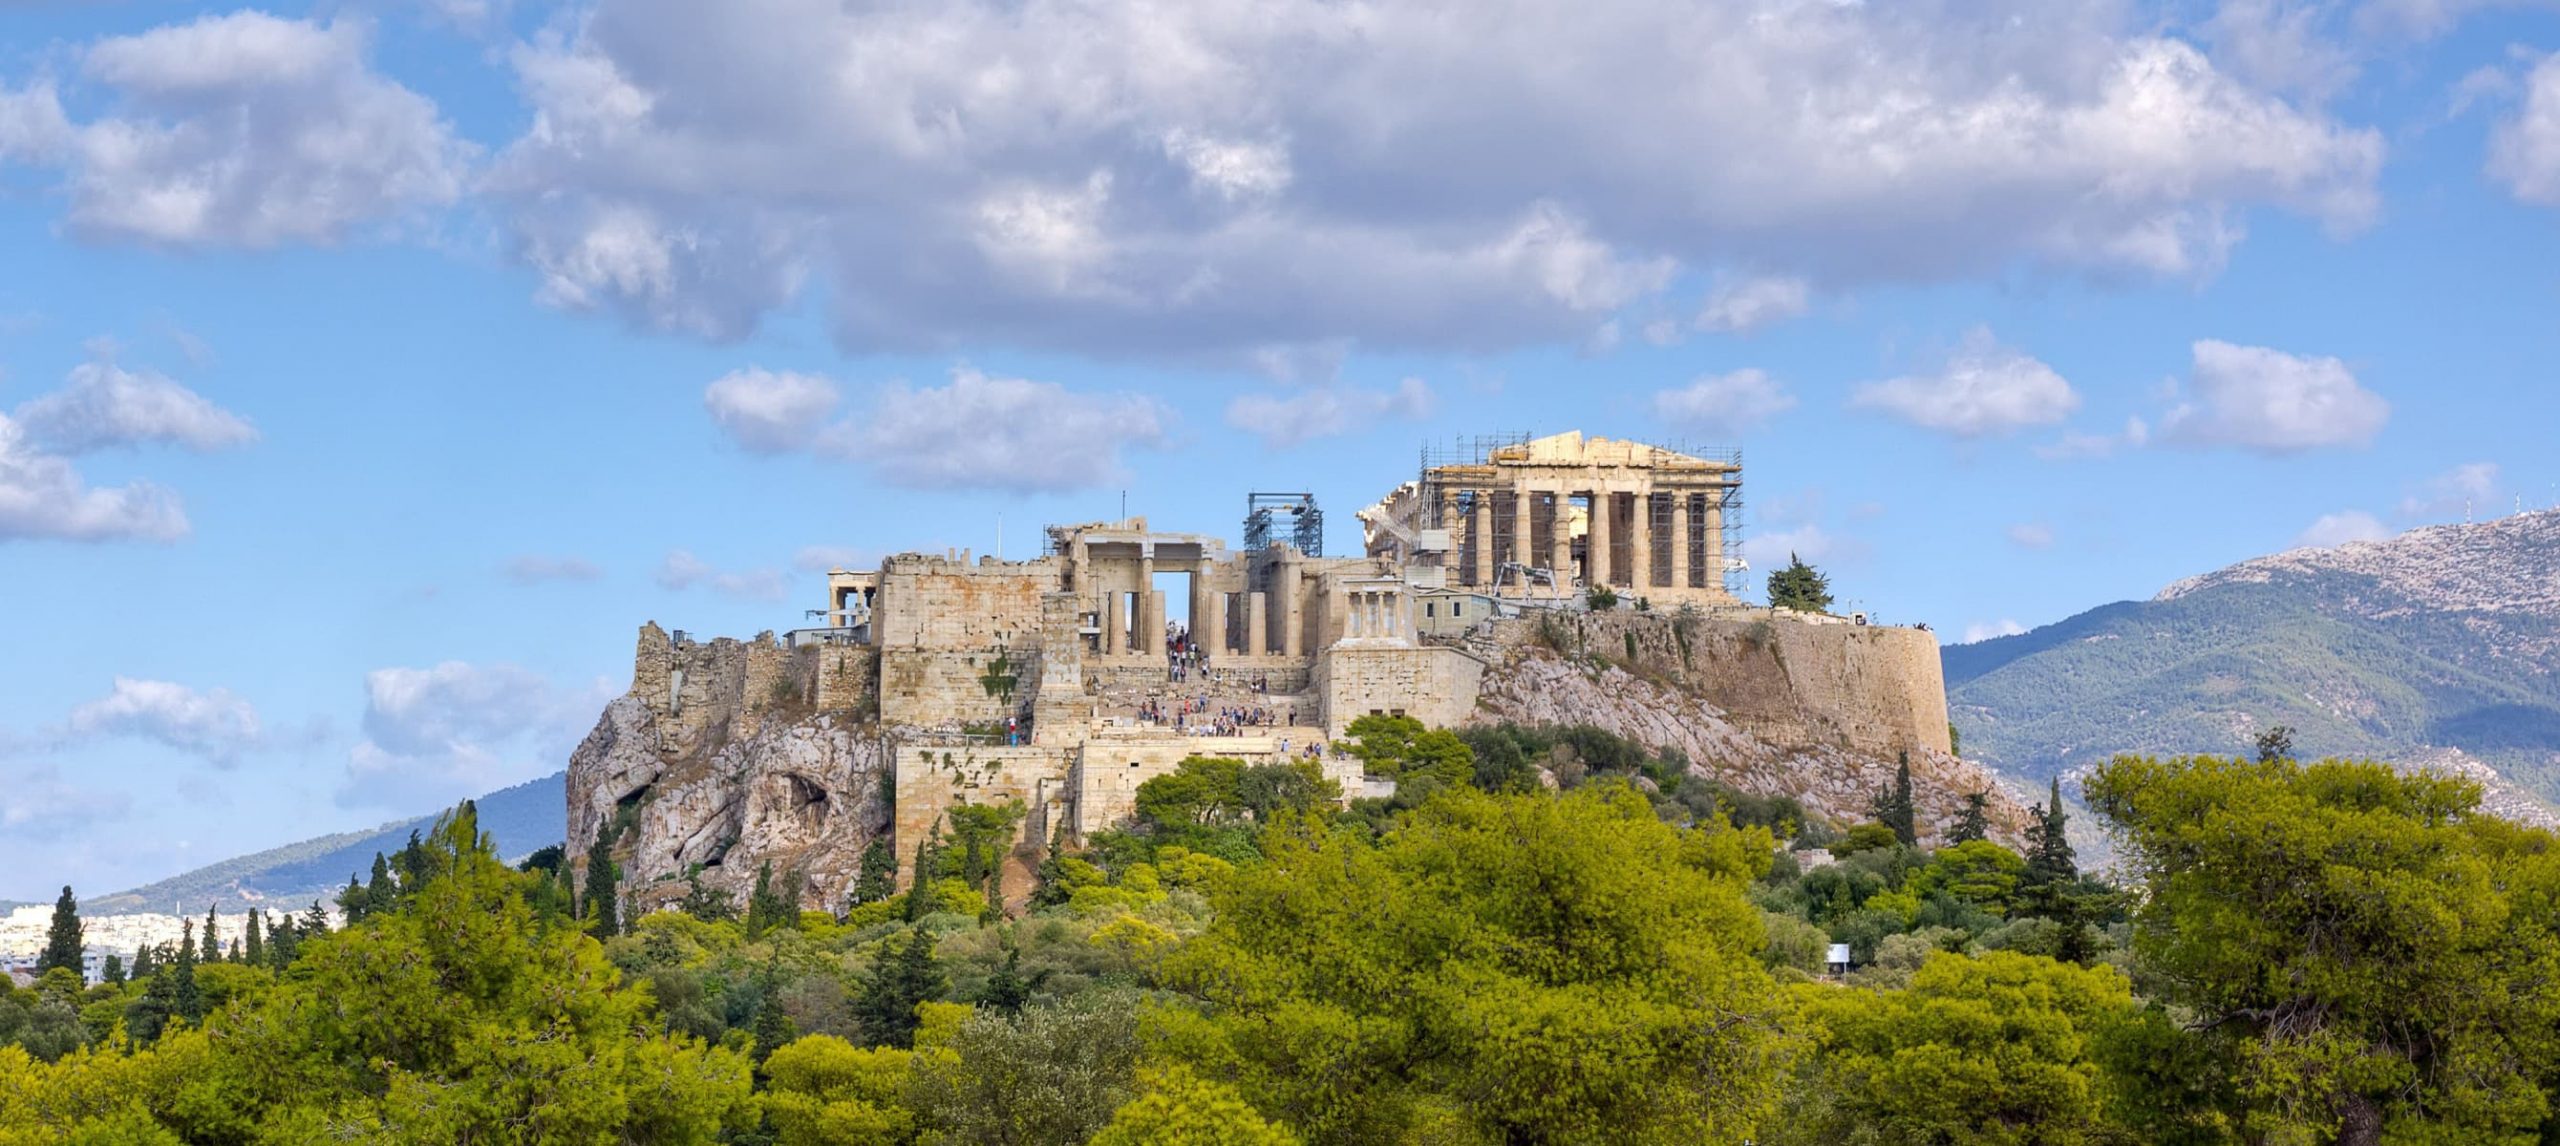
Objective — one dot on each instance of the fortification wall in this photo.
(1434, 684)
(932, 778)
(1790, 682)
(939, 603)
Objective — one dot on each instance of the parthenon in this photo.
(1537, 517)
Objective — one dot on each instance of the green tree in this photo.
(209, 948)
(602, 908)
(1893, 806)
(767, 907)
(112, 971)
(253, 942)
(1974, 822)
(1527, 968)
(1799, 587)
(64, 939)
(1406, 748)
(1179, 1108)
(824, 1091)
(2051, 862)
(903, 977)
(1047, 1074)
(1996, 1049)
(2275, 744)
(2363, 956)
(879, 878)
(980, 835)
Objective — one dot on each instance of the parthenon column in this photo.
(1680, 539)
(1713, 523)
(1596, 546)
(1483, 531)
(1201, 603)
(1257, 624)
(1151, 640)
(1148, 639)
(1560, 539)
(1112, 616)
(1522, 536)
(1640, 540)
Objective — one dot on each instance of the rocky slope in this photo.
(2437, 647)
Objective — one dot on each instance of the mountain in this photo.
(2435, 647)
(522, 819)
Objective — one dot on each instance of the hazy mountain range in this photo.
(2434, 647)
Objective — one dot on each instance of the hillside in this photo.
(2432, 647)
(521, 819)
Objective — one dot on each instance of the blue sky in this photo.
(370, 371)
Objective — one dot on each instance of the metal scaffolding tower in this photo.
(1306, 522)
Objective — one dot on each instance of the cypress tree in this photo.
(113, 972)
(760, 902)
(879, 878)
(903, 978)
(145, 959)
(2050, 862)
(185, 1001)
(772, 1027)
(920, 888)
(353, 902)
(282, 938)
(604, 920)
(1973, 824)
(253, 945)
(1893, 808)
(381, 893)
(315, 921)
(209, 948)
(64, 940)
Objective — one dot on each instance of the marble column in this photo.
(1257, 624)
(1203, 602)
(1603, 507)
(1111, 616)
(1713, 523)
(1523, 537)
(1680, 539)
(1148, 640)
(1560, 538)
(1151, 642)
(1293, 625)
(1640, 542)
(1483, 532)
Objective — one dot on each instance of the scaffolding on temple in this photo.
(1306, 522)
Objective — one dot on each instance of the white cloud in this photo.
(983, 432)
(1325, 411)
(2462, 489)
(240, 130)
(42, 496)
(1202, 180)
(535, 569)
(436, 735)
(1734, 403)
(767, 412)
(2524, 151)
(2074, 444)
(2031, 535)
(2272, 402)
(1984, 388)
(214, 724)
(682, 570)
(823, 558)
(1989, 630)
(35, 803)
(2282, 45)
(2340, 528)
(106, 406)
(1745, 306)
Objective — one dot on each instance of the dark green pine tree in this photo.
(146, 1017)
(760, 903)
(64, 940)
(415, 865)
(209, 948)
(1893, 808)
(113, 971)
(2050, 862)
(315, 921)
(1973, 823)
(920, 888)
(354, 902)
(879, 878)
(381, 892)
(253, 944)
(186, 1001)
(904, 978)
(282, 940)
(601, 911)
(773, 1027)
(145, 959)
(1799, 587)
(1009, 990)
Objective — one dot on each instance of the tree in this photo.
(1403, 747)
(824, 1091)
(2275, 744)
(766, 907)
(2000, 1048)
(209, 948)
(602, 909)
(1180, 1108)
(772, 1025)
(879, 878)
(1510, 968)
(112, 972)
(1600, 598)
(1799, 587)
(1048, 1074)
(382, 891)
(981, 834)
(353, 903)
(2050, 860)
(903, 977)
(1893, 806)
(1973, 823)
(64, 940)
(253, 943)
(2362, 956)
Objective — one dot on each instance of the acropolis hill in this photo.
(1066, 680)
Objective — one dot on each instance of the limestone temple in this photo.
(1067, 679)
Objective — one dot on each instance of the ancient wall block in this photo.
(932, 778)
(1434, 684)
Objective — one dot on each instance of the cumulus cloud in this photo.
(1983, 389)
(244, 130)
(2283, 45)
(1325, 411)
(1012, 434)
(682, 570)
(2462, 489)
(214, 724)
(2340, 528)
(2524, 151)
(435, 735)
(767, 412)
(1734, 403)
(1745, 306)
(106, 406)
(2031, 535)
(536, 569)
(1204, 179)
(1989, 630)
(43, 496)
(2255, 398)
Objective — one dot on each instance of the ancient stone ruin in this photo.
(1066, 680)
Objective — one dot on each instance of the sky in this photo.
(371, 371)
